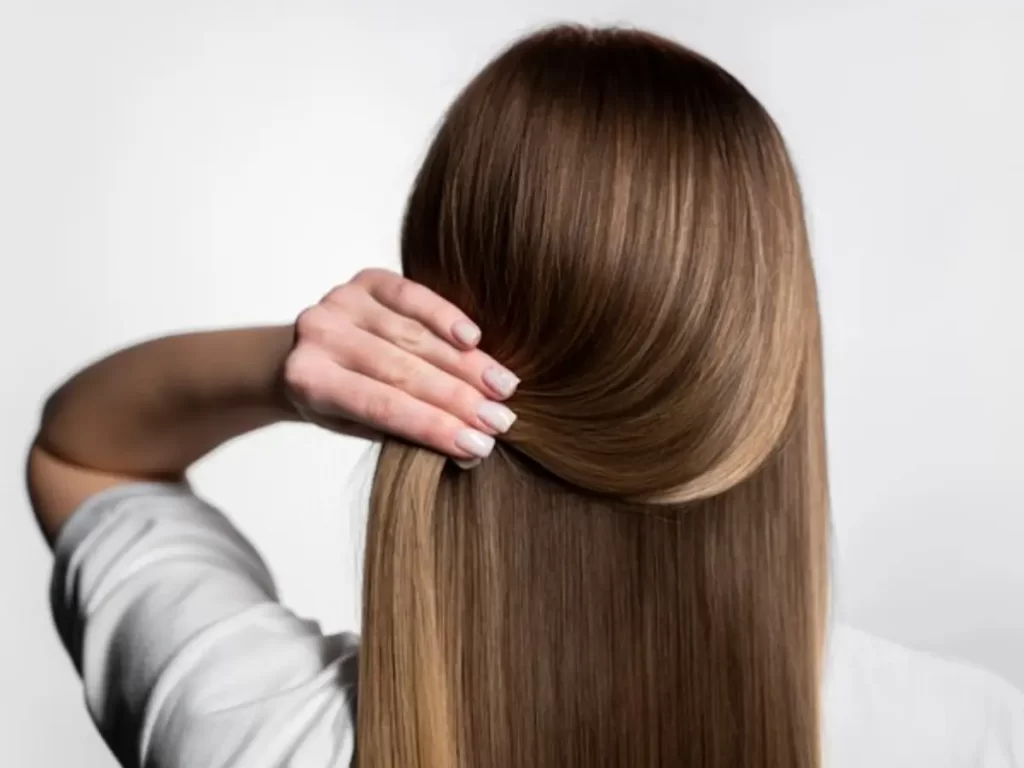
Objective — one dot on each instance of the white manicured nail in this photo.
(495, 415)
(474, 442)
(501, 380)
(466, 463)
(466, 332)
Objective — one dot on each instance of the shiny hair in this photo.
(637, 576)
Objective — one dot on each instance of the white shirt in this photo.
(189, 660)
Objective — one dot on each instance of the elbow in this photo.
(56, 488)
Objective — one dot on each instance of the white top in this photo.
(189, 660)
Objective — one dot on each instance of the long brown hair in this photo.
(638, 575)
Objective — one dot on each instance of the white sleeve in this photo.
(187, 658)
(889, 707)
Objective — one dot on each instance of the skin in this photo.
(377, 355)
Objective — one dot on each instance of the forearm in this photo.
(153, 409)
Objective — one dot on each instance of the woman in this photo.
(608, 317)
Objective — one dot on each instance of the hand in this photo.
(392, 356)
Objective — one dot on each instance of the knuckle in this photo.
(342, 294)
(410, 335)
(405, 373)
(404, 292)
(444, 318)
(300, 372)
(379, 409)
(311, 322)
(363, 276)
(369, 276)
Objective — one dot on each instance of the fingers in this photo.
(391, 354)
(377, 358)
(323, 385)
(472, 366)
(419, 303)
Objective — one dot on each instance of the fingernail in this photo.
(501, 380)
(466, 463)
(495, 415)
(466, 332)
(474, 442)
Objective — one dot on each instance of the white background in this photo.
(177, 165)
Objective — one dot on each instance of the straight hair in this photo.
(637, 576)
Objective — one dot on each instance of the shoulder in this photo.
(886, 705)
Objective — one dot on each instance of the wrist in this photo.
(258, 375)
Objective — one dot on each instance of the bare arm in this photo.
(379, 354)
(148, 412)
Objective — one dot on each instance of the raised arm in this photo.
(377, 354)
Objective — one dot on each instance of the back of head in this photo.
(637, 575)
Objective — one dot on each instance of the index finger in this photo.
(419, 303)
